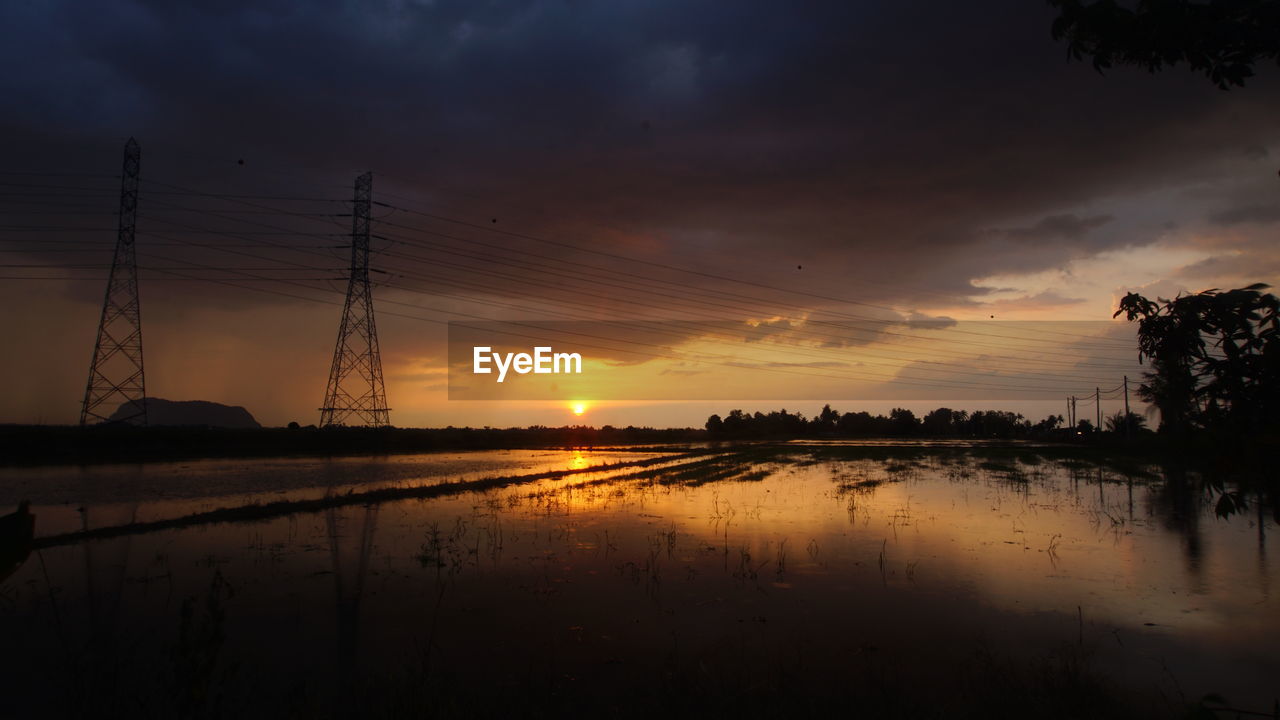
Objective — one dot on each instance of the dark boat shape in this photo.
(17, 530)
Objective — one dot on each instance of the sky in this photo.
(865, 203)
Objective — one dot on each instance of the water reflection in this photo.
(17, 530)
(348, 584)
(806, 575)
(156, 491)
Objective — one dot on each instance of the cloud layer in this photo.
(897, 154)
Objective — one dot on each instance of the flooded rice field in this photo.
(69, 498)
(760, 581)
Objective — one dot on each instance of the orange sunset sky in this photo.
(531, 164)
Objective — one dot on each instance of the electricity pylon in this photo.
(115, 375)
(356, 391)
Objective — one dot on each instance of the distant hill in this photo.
(192, 412)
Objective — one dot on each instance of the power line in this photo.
(612, 285)
(214, 214)
(684, 289)
(695, 295)
(447, 281)
(660, 265)
(733, 360)
(440, 280)
(540, 209)
(664, 266)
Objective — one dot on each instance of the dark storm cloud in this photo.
(1051, 241)
(864, 142)
(1058, 227)
(1260, 214)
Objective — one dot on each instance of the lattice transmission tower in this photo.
(356, 391)
(116, 379)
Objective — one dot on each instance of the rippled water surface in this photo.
(762, 570)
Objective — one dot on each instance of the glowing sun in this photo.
(578, 408)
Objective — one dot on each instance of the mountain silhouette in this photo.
(190, 412)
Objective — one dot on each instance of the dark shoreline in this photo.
(42, 445)
(45, 445)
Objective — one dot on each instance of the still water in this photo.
(907, 578)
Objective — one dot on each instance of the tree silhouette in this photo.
(1048, 425)
(1215, 358)
(899, 422)
(903, 421)
(1224, 39)
(943, 421)
(826, 420)
(1126, 424)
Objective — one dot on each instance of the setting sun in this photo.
(578, 408)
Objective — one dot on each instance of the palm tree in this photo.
(1130, 424)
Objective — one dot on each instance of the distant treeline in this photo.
(900, 422)
(49, 445)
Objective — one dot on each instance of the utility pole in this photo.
(116, 380)
(1127, 423)
(1071, 410)
(355, 390)
(1097, 407)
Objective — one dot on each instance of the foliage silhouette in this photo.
(1224, 39)
(1215, 359)
(901, 422)
(1126, 423)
